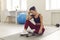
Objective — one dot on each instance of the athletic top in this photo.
(36, 20)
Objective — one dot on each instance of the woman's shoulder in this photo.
(40, 15)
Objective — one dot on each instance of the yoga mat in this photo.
(48, 31)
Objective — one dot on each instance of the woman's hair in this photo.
(32, 8)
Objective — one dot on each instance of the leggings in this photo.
(32, 26)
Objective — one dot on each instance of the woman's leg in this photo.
(28, 23)
(37, 28)
(32, 26)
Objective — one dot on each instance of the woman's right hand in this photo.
(29, 12)
(28, 16)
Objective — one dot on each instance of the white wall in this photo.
(3, 9)
(0, 10)
(40, 5)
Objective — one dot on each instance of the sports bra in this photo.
(36, 20)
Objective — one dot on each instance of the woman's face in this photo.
(33, 12)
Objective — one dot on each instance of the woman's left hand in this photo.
(40, 31)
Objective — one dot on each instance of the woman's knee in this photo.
(28, 22)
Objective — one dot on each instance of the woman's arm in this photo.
(28, 16)
(41, 20)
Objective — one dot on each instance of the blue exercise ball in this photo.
(21, 18)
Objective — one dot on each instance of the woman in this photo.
(38, 19)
